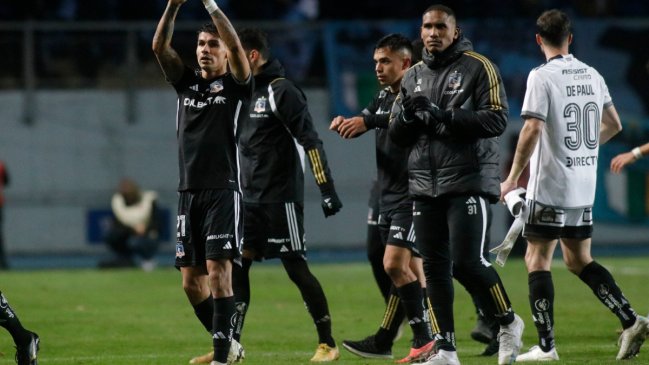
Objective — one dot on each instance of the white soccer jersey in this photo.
(570, 97)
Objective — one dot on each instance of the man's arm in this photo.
(293, 111)
(168, 58)
(489, 116)
(618, 162)
(237, 59)
(610, 125)
(527, 140)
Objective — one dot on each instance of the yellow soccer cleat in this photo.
(324, 353)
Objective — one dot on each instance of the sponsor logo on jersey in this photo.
(398, 236)
(397, 228)
(227, 246)
(581, 161)
(222, 236)
(283, 249)
(278, 240)
(216, 86)
(260, 105)
(201, 104)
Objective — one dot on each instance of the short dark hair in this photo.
(395, 42)
(554, 27)
(254, 38)
(443, 9)
(208, 28)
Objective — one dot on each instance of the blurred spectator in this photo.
(135, 229)
(4, 181)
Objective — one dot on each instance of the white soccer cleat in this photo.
(442, 357)
(632, 338)
(537, 354)
(510, 341)
(236, 353)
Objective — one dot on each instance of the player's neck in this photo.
(552, 52)
(210, 74)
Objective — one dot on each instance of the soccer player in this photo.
(450, 112)
(392, 56)
(276, 133)
(210, 101)
(568, 113)
(27, 342)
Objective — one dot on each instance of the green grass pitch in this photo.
(129, 317)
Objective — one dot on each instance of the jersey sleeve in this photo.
(186, 80)
(289, 104)
(488, 116)
(536, 101)
(608, 101)
(373, 120)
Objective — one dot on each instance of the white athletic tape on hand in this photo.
(210, 6)
(515, 202)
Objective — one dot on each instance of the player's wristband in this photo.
(210, 6)
(637, 153)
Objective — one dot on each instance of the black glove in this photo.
(418, 103)
(330, 203)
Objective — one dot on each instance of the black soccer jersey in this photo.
(206, 128)
(276, 134)
(391, 160)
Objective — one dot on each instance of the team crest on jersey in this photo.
(260, 105)
(180, 250)
(216, 86)
(455, 80)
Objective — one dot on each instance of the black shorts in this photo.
(208, 226)
(274, 230)
(397, 229)
(556, 222)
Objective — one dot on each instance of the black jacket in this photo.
(460, 155)
(278, 120)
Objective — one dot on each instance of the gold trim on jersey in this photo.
(316, 165)
(494, 85)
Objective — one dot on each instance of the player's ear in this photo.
(539, 40)
(407, 62)
(456, 35)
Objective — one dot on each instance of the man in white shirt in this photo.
(568, 113)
